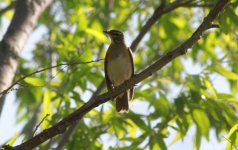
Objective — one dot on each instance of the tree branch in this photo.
(61, 126)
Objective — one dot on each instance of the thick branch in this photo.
(25, 17)
(78, 114)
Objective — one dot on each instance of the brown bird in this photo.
(119, 67)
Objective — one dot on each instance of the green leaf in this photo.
(13, 139)
(227, 97)
(47, 108)
(202, 121)
(9, 14)
(86, 55)
(138, 121)
(163, 105)
(180, 103)
(35, 81)
(232, 138)
(224, 96)
(177, 138)
(183, 124)
(98, 35)
(179, 22)
(195, 96)
(197, 139)
(139, 139)
(81, 18)
(226, 73)
(210, 87)
(159, 144)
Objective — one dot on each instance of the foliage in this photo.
(182, 95)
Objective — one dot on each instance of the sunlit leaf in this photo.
(35, 81)
(197, 139)
(232, 138)
(225, 72)
(138, 121)
(179, 22)
(13, 139)
(163, 104)
(202, 122)
(159, 144)
(47, 108)
(177, 138)
(132, 128)
(210, 87)
(98, 35)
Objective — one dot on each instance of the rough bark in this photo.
(24, 20)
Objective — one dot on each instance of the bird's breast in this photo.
(119, 69)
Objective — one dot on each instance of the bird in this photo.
(119, 68)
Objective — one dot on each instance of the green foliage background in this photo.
(180, 96)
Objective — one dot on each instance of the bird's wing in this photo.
(132, 65)
(108, 82)
(132, 61)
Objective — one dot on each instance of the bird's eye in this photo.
(117, 33)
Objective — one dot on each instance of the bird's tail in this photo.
(122, 102)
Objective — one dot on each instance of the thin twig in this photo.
(44, 69)
(232, 144)
(38, 125)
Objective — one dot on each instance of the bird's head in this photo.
(115, 36)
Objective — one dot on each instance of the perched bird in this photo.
(119, 67)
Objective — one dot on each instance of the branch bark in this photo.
(61, 126)
(25, 18)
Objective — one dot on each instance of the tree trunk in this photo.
(25, 18)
